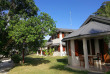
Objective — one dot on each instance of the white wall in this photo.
(57, 40)
(61, 48)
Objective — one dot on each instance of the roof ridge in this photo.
(97, 18)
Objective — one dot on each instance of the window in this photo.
(58, 35)
(62, 34)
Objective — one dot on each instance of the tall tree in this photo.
(104, 10)
(26, 28)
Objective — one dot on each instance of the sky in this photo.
(69, 14)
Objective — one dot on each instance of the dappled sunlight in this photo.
(44, 64)
(63, 60)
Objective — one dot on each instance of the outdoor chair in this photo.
(98, 57)
(81, 59)
(90, 60)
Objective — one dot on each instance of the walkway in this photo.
(92, 69)
(5, 66)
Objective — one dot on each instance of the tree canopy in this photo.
(21, 24)
(104, 9)
(34, 29)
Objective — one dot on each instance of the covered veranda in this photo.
(90, 53)
(86, 46)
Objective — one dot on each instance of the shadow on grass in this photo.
(64, 60)
(35, 61)
(63, 67)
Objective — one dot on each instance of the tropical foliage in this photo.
(21, 26)
(104, 10)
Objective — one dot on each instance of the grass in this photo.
(44, 65)
(107, 72)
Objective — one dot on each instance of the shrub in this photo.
(46, 52)
(16, 58)
(51, 51)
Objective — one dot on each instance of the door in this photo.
(101, 48)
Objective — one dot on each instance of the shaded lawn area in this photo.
(107, 72)
(44, 65)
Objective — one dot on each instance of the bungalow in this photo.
(87, 44)
(56, 43)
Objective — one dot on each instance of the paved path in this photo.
(5, 66)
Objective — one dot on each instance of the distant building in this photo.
(55, 41)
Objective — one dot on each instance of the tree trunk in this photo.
(23, 55)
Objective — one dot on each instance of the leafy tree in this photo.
(104, 10)
(4, 5)
(3, 31)
(26, 28)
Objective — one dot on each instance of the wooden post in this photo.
(85, 53)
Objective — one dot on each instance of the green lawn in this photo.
(44, 65)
